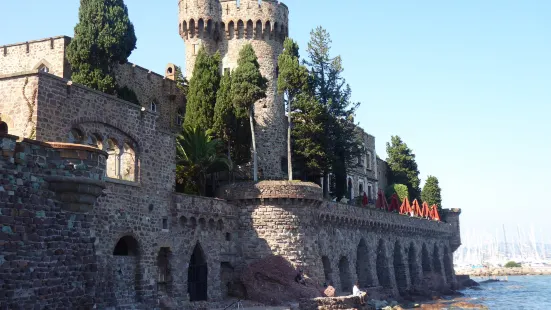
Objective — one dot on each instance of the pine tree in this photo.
(403, 167)
(231, 124)
(292, 80)
(247, 87)
(431, 192)
(202, 90)
(104, 38)
(341, 142)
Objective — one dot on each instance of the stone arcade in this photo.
(88, 211)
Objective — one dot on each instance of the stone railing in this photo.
(272, 190)
(332, 213)
(196, 205)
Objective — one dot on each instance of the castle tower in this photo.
(226, 26)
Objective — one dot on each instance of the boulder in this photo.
(329, 291)
(271, 281)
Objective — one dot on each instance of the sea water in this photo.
(519, 292)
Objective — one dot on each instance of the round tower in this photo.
(263, 24)
(199, 25)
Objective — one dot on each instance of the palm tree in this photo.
(196, 157)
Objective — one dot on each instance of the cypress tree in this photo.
(202, 90)
(341, 142)
(247, 87)
(431, 192)
(104, 37)
(292, 80)
(231, 124)
(403, 167)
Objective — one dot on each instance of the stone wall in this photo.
(18, 96)
(226, 26)
(31, 55)
(46, 250)
(382, 171)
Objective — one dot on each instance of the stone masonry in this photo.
(89, 216)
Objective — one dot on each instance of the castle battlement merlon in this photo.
(6, 48)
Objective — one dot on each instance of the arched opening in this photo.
(192, 28)
(184, 29)
(363, 265)
(183, 221)
(425, 260)
(209, 29)
(350, 189)
(436, 260)
(250, 29)
(400, 268)
(127, 246)
(43, 68)
(220, 225)
(267, 30)
(193, 222)
(197, 275)
(361, 189)
(212, 225)
(275, 32)
(413, 265)
(202, 223)
(179, 117)
(163, 265)
(3, 128)
(383, 266)
(240, 29)
(113, 162)
(75, 136)
(201, 28)
(128, 163)
(153, 106)
(448, 265)
(328, 273)
(231, 30)
(125, 267)
(344, 272)
(258, 30)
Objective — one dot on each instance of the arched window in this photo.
(3, 128)
(179, 117)
(113, 160)
(153, 106)
(368, 160)
(128, 163)
(75, 136)
(43, 68)
(127, 246)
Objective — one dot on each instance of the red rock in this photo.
(329, 291)
(271, 281)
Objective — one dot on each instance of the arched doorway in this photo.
(413, 267)
(400, 268)
(383, 265)
(425, 260)
(125, 266)
(327, 270)
(350, 189)
(197, 275)
(344, 271)
(363, 265)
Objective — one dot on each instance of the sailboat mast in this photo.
(506, 246)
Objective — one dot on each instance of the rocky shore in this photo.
(502, 271)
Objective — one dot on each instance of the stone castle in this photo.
(89, 216)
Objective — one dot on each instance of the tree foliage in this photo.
(197, 156)
(403, 167)
(330, 89)
(203, 87)
(431, 192)
(247, 87)
(231, 124)
(292, 80)
(399, 189)
(104, 38)
(512, 264)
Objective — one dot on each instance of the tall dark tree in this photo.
(104, 38)
(231, 124)
(247, 87)
(403, 167)
(202, 90)
(431, 192)
(292, 80)
(341, 143)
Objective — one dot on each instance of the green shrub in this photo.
(400, 189)
(512, 264)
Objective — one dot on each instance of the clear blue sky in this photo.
(466, 84)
